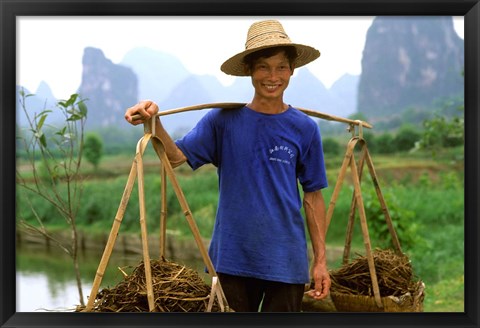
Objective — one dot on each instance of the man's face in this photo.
(270, 76)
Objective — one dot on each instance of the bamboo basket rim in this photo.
(364, 303)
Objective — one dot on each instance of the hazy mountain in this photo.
(409, 62)
(42, 99)
(110, 89)
(158, 73)
(306, 91)
(193, 87)
(344, 92)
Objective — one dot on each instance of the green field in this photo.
(425, 197)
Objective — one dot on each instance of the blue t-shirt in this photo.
(259, 230)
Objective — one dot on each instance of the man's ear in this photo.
(246, 69)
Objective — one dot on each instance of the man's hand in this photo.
(322, 281)
(146, 109)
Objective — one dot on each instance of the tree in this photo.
(53, 157)
(93, 148)
(446, 129)
(406, 138)
(331, 146)
(384, 143)
(443, 132)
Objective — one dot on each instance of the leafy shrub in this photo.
(384, 144)
(331, 146)
(406, 138)
(403, 219)
(93, 148)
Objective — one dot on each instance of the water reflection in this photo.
(45, 280)
(35, 292)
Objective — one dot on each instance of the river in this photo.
(45, 280)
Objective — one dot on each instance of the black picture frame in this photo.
(10, 9)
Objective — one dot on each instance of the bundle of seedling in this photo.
(176, 289)
(352, 290)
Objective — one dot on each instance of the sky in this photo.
(50, 49)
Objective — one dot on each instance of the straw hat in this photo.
(267, 34)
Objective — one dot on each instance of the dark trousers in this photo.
(252, 295)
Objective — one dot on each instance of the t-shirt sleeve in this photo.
(199, 144)
(311, 168)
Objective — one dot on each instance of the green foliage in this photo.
(405, 138)
(46, 174)
(446, 295)
(93, 148)
(387, 143)
(403, 219)
(331, 146)
(439, 209)
(445, 129)
(117, 140)
(384, 144)
(442, 132)
(101, 200)
(59, 150)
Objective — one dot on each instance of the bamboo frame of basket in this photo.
(163, 211)
(166, 171)
(357, 202)
(141, 145)
(167, 168)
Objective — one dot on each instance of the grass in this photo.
(445, 296)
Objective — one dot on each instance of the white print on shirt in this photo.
(280, 151)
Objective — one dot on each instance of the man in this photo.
(262, 151)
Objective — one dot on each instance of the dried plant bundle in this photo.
(176, 289)
(394, 272)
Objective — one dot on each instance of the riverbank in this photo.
(127, 243)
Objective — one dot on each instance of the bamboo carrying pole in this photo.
(232, 105)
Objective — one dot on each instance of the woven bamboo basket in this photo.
(339, 302)
(361, 303)
(399, 290)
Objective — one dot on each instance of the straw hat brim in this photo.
(235, 65)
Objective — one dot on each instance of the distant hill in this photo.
(158, 73)
(110, 89)
(409, 62)
(42, 99)
(148, 74)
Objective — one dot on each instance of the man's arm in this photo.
(315, 213)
